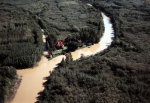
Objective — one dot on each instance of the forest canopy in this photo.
(20, 38)
(21, 46)
(7, 80)
(120, 74)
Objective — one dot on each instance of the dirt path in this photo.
(32, 79)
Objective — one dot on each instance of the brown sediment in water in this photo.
(34, 77)
(85, 51)
(32, 81)
(75, 55)
(94, 47)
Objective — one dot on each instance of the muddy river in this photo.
(33, 78)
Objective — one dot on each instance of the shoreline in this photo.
(14, 89)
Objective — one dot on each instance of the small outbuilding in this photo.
(50, 55)
(79, 41)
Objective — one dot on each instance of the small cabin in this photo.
(59, 44)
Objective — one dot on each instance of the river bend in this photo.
(33, 78)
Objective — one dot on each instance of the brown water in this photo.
(33, 78)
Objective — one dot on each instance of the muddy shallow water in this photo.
(33, 78)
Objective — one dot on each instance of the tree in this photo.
(72, 46)
(7, 77)
(62, 63)
(42, 24)
(51, 39)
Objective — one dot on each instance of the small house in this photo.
(59, 44)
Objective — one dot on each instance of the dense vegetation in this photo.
(21, 22)
(21, 43)
(120, 74)
(88, 33)
(91, 34)
(7, 80)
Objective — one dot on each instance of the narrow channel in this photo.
(33, 78)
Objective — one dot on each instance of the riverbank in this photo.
(32, 80)
(105, 41)
(14, 89)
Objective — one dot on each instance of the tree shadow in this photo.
(40, 97)
(45, 48)
(41, 94)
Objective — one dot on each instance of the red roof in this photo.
(59, 43)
